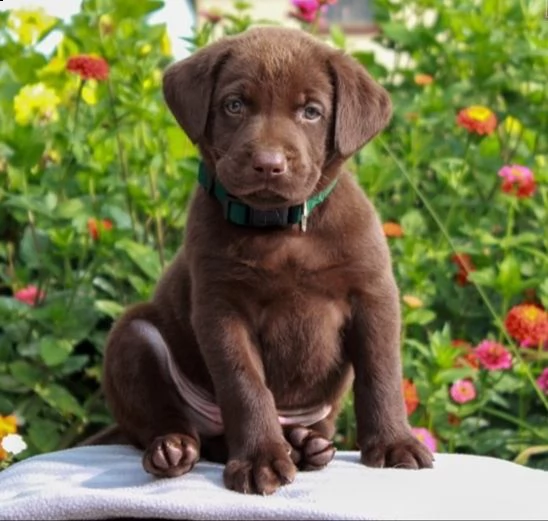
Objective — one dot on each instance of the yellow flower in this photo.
(89, 92)
(8, 425)
(165, 44)
(153, 80)
(145, 49)
(413, 302)
(30, 24)
(35, 101)
(106, 24)
(513, 126)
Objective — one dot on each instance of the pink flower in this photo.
(426, 437)
(542, 380)
(518, 180)
(29, 295)
(463, 391)
(493, 356)
(307, 10)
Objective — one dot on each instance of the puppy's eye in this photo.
(234, 106)
(311, 113)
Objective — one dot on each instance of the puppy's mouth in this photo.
(264, 199)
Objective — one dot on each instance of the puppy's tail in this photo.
(111, 435)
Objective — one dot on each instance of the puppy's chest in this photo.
(300, 310)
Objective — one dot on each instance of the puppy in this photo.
(283, 293)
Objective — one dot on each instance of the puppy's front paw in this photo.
(311, 450)
(171, 455)
(263, 473)
(404, 452)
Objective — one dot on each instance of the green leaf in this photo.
(143, 256)
(44, 434)
(509, 278)
(26, 373)
(447, 376)
(109, 307)
(55, 351)
(484, 277)
(60, 399)
(419, 316)
(6, 406)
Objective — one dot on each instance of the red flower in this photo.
(88, 67)
(29, 295)
(465, 266)
(468, 358)
(518, 180)
(528, 324)
(477, 120)
(95, 227)
(410, 396)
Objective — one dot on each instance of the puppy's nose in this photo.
(270, 162)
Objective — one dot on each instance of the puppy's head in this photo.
(271, 108)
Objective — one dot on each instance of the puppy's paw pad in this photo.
(171, 455)
(406, 453)
(311, 450)
(261, 474)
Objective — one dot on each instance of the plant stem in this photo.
(479, 289)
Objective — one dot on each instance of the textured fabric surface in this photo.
(108, 481)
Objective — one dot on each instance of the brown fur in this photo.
(270, 318)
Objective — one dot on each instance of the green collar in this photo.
(237, 212)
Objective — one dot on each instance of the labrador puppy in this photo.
(282, 294)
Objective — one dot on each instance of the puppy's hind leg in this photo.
(142, 395)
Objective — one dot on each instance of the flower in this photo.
(512, 126)
(213, 16)
(13, 444)
(463, 391)
(542, 380)
(35, 102)
(392, 229)
(413, 302)
(493, 356)
(95, 227)
(88, 67)
(469, 359)
(30, 24)
(8, 425)
(426, 437)
(518, 180)
(165, 45)
(528, 324)
(106, 24)
(465, 266)
(307, 10)
(410, 396)
(29, 295)
(423, 79)
(477, 119)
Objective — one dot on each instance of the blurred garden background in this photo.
(95, 179)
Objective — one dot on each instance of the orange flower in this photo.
(410, 396)
(423, 79)
(477, 120)
(465, 266)
(95, 227)
(468, 358)
(392, 229)
(528, 323)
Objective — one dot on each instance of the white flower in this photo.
(13, 444)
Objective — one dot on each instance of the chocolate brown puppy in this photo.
(283, 293)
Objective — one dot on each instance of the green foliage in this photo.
(110, 151)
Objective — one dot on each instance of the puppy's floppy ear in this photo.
(188, 86)
(362, 107)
